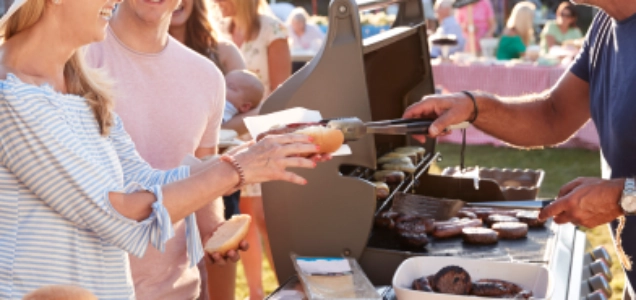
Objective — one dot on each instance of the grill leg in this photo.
(628, 291)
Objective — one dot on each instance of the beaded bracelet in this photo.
(229, 159)
(470, 95)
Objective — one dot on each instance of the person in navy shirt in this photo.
(601, 85)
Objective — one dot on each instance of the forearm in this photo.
(529, 121)
(208, 181)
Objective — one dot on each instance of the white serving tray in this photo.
(534, 277)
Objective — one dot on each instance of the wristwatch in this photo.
(628, 200)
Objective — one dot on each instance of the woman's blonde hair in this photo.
(522, 21)
(80, 79)
(247, 16)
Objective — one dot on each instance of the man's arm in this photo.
(530, 121)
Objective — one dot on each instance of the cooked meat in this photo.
(415, 224)
(490, 289)
(422, 284)
(284, 129)
(511, 230)
(505, 212)
(453, 280)
(466, 214)
(453, 229)
(413, 239)
(480, 236)
(389, 176)
(511, 287)
(484, 213)
(531, 218)
(382, 190)
(492, 219)
(386, 219)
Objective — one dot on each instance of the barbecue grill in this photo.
(376, 79)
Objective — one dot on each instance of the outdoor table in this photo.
(503, 80)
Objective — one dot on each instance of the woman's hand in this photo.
(268, 159)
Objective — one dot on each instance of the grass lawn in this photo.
(560, 166)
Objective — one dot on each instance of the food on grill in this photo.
(531, 218)
(410, 223)
(410, 149)
(492, 219)
(479, 236)
(484, 213)
(228, 235)
(456, 281)
(382, 190)
(386, 219)
(328, 139)
(499, 289)
(449, 230)
(412, 157)
(452, 280)
(511, 230)
(413, 239)
(504, 212)
(389, 176)
(404, 167)
(422, 284)
(394, 160)
(466, 214)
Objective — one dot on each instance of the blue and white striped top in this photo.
(56, 223)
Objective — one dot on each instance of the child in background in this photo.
(244, 92)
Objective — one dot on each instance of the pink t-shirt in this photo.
(482, 13)
(171, 103)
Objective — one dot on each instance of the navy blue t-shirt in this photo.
(608, 63)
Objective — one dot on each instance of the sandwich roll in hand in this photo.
(228, 235)
(328, 139)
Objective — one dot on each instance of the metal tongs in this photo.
(353, 128)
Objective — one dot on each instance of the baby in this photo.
(244, 91)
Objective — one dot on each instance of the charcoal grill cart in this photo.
(376, 79)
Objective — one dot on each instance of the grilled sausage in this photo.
(410, 223)
(453, 280)
(284, 129)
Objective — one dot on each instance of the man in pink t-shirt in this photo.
(171, 100)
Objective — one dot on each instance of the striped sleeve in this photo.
(39, 146)
(138, 173)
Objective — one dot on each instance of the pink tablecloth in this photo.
(504, 81)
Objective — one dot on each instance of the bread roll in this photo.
(328, 139)
(394, 160)
(408, 168)
(382, 190)
(229, 235)
(389, 176)
(60, 292)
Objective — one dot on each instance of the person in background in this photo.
(519, 32)
(302, 35)
(94, 200)
(244, 92)
(448, 25)
(262, 40)
(562, 29)
(190, 25)
(484, 23)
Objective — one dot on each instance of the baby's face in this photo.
(236, 95)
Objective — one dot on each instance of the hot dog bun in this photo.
(60, 292)
(329, 140)
(229, 235)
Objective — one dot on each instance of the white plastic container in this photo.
(533, 277)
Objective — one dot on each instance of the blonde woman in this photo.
(519, 32)
(75, 195)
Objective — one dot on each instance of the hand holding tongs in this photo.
(353, 128)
